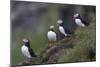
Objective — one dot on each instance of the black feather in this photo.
(32, 52)
(84, 22)
(68, 31)
(27, 44)
(51, 30)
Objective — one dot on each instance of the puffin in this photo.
(52, 37)
(63, 30)
(79, 21)
(27, 51)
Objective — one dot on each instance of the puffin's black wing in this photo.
(32, 53)
(84, 22)
(68, 31)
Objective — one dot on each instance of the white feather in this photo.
(76, 15)
(25, 51)
(59, 21)
(51, 36)
(61, 29)
(79, 22)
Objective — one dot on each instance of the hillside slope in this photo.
(80, 47)
(84, 49)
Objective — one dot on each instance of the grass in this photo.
(37, 43)
(38, 39)
(85, 42)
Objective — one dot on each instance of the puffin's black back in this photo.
(30, 49)
(31, 52)
(83, 21)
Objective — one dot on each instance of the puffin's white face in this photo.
(76, 15)
(25, 40)
(59, 21)
(51, 27)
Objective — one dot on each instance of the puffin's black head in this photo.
(26, 42)
(51, 28)
(60, 22)
(77, 15)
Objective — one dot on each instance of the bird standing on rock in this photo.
(51, 34)
(27, 50)
(79, 21)
(62, 29)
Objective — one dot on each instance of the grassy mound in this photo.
(85, 46)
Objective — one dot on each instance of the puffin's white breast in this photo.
(61, 29)
(51, 36)
(25, 51)
(79, 22)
